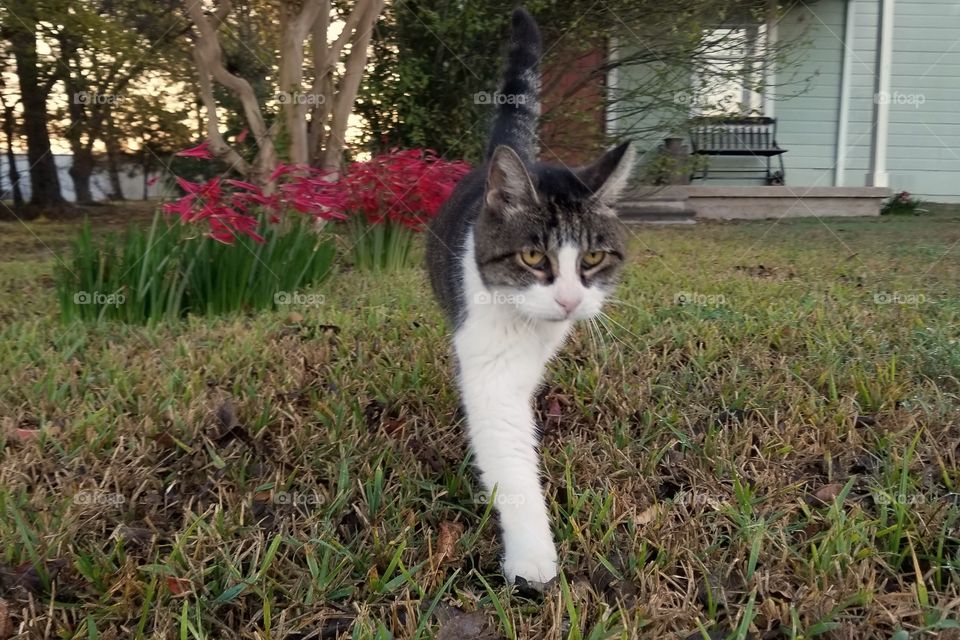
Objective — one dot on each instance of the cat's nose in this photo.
(568, 302)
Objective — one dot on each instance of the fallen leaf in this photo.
(828, 492)
(227, 415)
(27, 577)
(335, 628)
(471, 626)
(393, 426)
(450, 532)
(179, 586)
(164, 440)
(647, 515)
(135, 536)
(25, 435)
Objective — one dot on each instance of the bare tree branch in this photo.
(350, 82)
(208, 55)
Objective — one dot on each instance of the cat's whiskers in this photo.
(604, 319)
(623, 303)
(596, 337)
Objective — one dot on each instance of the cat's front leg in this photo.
(504, 438)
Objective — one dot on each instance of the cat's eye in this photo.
(533, 259)
(592, 258)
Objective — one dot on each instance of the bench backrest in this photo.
(735, 133)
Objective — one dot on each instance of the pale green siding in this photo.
(807, 124)
(647, 127)
(923, 154)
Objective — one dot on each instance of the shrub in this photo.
(254, 254)
(392, 197)
(256, 251)
(902, 204)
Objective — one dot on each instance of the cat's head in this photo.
(548, 240)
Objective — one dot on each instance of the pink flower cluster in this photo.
(402, 186)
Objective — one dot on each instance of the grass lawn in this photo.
(777, 457)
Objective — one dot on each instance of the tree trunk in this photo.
(145, 166)
(291, 78)
(113, 160)
(80, 172)
(44, 181)
(368, 11)
(77, 98)
(113, 170)
(12, 158)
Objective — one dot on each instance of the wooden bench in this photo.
(756, 136)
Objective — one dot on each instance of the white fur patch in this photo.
(502, 355)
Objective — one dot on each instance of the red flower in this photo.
(407, 187)
(403, 187)
(201, 151)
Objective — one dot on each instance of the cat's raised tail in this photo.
(518, 101)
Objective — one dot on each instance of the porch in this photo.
(681, 204)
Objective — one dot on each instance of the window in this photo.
(731, 72)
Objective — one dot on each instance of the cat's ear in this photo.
(607, 176)
(509, 187)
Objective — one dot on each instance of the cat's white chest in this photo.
(494, 340)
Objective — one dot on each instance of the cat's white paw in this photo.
(537, 568)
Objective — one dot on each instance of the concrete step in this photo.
(659, 210)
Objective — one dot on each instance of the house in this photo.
(868, 105)
(132, 182)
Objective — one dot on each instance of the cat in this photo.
(518, 252)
